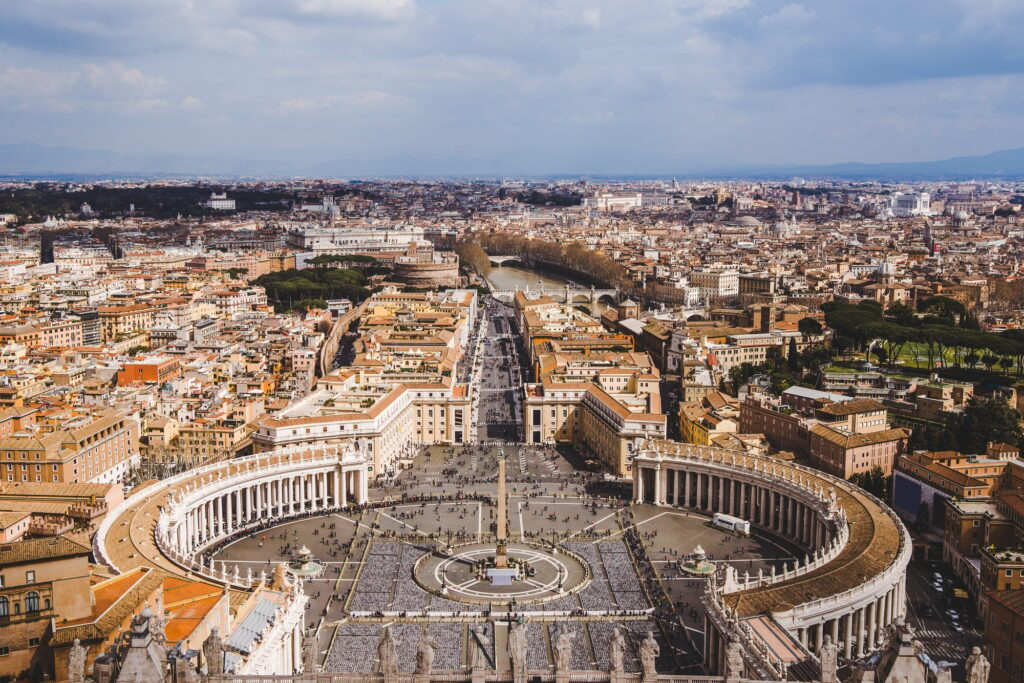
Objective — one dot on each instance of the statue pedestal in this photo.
(561, 677)
(421, 678)
(478, 675)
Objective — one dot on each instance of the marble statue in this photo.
(76, 662)
(213, 651)
(828, 656)
(617, 652)
(517, 649)
(649, 652)
(481, 658)
(425, 654)
(977, 667)
(563, 650)
(387, 653)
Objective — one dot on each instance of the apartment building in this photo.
(98, 448)
(40, 580)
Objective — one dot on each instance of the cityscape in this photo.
(409, 342)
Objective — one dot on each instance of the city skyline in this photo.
(399, 86)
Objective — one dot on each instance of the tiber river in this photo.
(513, 277)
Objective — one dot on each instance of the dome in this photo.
(748, 221)
(886, 268)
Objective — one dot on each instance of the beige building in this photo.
(40, 580)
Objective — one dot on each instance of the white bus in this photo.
(740, 526)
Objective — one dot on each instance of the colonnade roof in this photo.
(130, 542)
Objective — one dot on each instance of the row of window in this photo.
(31, 604)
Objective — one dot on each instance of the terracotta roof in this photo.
(40, 549)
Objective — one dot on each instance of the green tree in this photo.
(986, 420)
(809, 327)
(793, 357)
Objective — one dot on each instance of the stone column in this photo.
(686, 490)
(872, 623)
(659, 493)
(848, 635)
(859, 634)
(364, 487)
(675, 487)
(743, 501)
(638, 484)
(721, 495)
(344, 489)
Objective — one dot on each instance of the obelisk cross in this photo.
(500, 556)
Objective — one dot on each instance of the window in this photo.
(33, 642)
(32, 601)
(5, 607)
(4, 651)
(30, 576)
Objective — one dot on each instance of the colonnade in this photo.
(219, 509)
(762, 504)
(801, 506)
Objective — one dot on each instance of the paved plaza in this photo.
(624, 562)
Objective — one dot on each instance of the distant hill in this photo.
(32, 160)
(1007, 163)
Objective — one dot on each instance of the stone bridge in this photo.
(570, 294)
(500, 260)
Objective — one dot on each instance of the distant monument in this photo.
(501, 574)
(501, 551)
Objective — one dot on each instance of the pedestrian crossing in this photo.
(942, 644)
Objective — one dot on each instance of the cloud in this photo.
(117, 79)
(543, 81)
(351, 102)
(28, 88)
(384, 10)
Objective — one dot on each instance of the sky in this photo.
(518, 86)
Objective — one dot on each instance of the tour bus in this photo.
(740, 526)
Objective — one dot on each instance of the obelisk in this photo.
(500, 556)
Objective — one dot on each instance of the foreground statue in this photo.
(517, 649)
(425, 654)
(828, 656)
(977, 667)
(481, 657)
(76, 662)
(649, 652)
(387, 653)
(213, 652)
(563, 650)
(617, 652)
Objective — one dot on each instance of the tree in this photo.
(874, 482)
(944, 308)
(809, 327)
(901, 314)
(986, 420)
(793, 358)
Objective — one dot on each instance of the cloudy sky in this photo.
(524, 86)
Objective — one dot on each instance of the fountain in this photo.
(696, 563)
